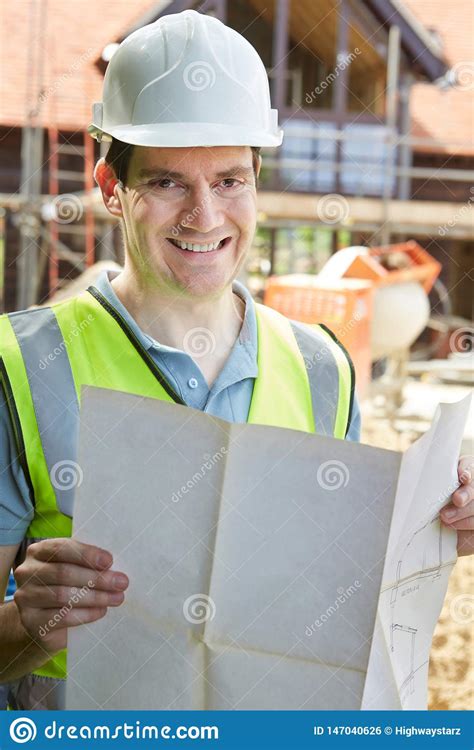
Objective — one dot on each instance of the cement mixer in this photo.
(374, 299)
(402, 276)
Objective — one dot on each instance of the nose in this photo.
(204, 210)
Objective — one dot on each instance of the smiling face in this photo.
(189, 215)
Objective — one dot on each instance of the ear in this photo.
(109, 186)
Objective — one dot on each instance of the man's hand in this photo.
(63, 583)
(459, 513)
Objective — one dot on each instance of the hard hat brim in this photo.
(176, 135)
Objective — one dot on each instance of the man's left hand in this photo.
(459, 513)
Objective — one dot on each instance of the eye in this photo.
(235, 184)
(164, 184)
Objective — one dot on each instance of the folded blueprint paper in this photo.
(269, 568)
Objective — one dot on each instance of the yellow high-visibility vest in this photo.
(305, 382)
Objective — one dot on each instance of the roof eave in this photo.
(415, 39)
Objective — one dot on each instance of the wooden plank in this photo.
(453, 216)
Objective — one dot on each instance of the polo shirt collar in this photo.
(242, 360)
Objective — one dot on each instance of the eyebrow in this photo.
(161, 172)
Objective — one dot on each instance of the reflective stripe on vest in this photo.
(305, 382)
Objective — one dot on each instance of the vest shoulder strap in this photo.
(36, 361)
(331, 375)
(328, 370)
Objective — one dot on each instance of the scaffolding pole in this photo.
(29, 222)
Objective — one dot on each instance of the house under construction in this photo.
(374, 96)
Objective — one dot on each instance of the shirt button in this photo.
(192, 382)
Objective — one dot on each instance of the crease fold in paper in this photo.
(258, 574)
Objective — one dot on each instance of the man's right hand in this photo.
(63, 583)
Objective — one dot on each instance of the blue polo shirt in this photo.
(230, 394)
(228, 398)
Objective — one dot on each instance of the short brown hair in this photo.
(119, 154)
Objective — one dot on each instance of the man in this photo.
(181, 176)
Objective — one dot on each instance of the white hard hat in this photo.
(186, 80)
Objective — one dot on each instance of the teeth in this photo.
(196, 248)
